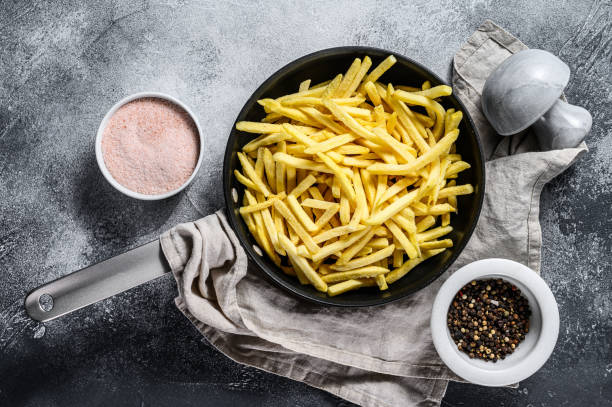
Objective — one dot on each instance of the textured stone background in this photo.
(63, 64)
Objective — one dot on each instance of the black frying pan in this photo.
(321, 66)
(144, 263)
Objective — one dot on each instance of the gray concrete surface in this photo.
(63, 64)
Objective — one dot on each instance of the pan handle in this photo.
(97, 282)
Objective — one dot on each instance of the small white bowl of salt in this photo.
(149, 146)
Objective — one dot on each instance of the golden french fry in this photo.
(453, 121)
(363, 272)
(402, 239)
(380, 69)
(456, 168)
(440, 209)
(380, 217)
(425, 223)
(361, 73)
(328, 216)
(270, 168)
(304, 85)
(297, 210)
(435, 92)
(394, 189)
(406, 169)
(370, 89)
(339, 245)
(303, 185)
(342, 89)
(317, 203)
(337, 232)
(400, 272)
(260, 128)
(330, 144)
(364, 261)
(433, 233)
(296, 226)
(381, 282)
(250, 172)
(264, 140)
(436, 244)
(302, 264)
(378, 243)
(245, 181)
(456, 190)
(420, 100)
(445, 219)
(350, 252)
(349, 285)
(258, 206)
(331, 89)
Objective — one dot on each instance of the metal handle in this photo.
(97, 282)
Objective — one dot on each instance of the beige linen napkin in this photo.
(374, 356)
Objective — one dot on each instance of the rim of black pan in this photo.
(273, 273)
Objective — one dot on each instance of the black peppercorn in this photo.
(493, 315)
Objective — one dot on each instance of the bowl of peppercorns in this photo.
(494, 322)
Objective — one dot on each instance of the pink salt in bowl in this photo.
(149, 146)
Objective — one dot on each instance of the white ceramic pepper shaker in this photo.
(525, 91)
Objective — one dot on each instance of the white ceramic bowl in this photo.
(100, 158)
(529, 355)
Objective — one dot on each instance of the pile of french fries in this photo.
(351, 183)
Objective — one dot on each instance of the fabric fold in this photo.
(374, 356)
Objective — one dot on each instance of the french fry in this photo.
(425, 223)
(407, 169)
(370, 89)
(380, 217)
(361, 73)
(296, 226)
(303, 185)
(380, 69)
(257, 207)
(364, 261)
(261, 128)
(302, 264)
(304, 85)
(245, 181)
(342, 89)
(436, 244)
(330, 144)
(456, 190)
(339, 245)
(363, 272)
(350, 252)
(250, 172)
(400, 272)
(435, 92)
(378, 243)
(349, 285)
(402, 239)
(381, 282)
(317, 203)
(420, 100)
(297, 210)
(264, 140)
(328, 216)
(456, 168)
(351, 149)
(433, 233)
(332, 87)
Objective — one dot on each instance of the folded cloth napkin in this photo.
(373, 356)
